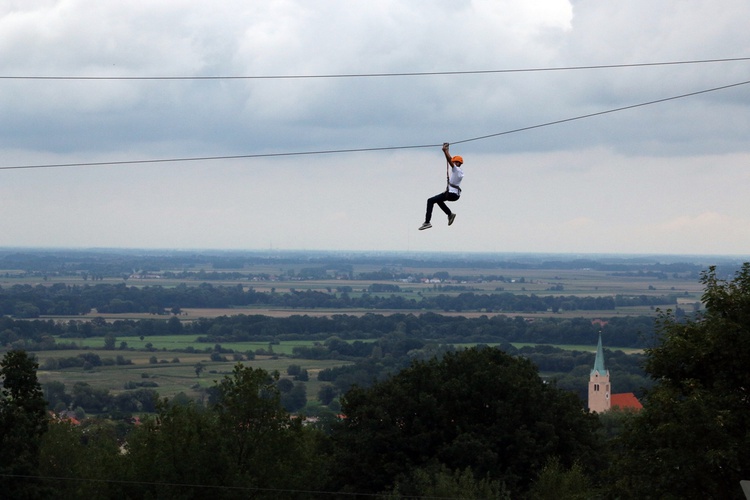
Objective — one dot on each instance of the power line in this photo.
(385, 148)
(208, 487)
(378, 75)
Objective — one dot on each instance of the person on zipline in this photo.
(452, 192)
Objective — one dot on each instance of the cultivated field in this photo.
(174, 372)
(540, 282)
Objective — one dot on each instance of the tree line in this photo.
(569, 369)
(116, 263)
(27, 301)
(629, 331)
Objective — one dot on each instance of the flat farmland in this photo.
(174, 372)
(517, 280)
(539, 282)
(190, 314)
(167, 362)
(165, 343)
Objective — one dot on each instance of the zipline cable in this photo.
(385, 148)
(207, 158)
(599, 113)
(378, 75)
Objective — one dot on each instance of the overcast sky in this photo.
(667, 178)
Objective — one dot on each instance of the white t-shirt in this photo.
(455, 177)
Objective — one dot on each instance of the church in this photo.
(600, 397)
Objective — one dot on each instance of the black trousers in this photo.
(440, 199)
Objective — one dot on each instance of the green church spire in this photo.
(599, 361)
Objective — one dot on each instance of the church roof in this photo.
(599, 360)
(626, 400)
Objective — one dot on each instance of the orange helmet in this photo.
(457, 159)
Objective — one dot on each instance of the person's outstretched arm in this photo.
(446, 151)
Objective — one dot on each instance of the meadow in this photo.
(539, 282)
(156, 359)
(174, 372)
(582, 282)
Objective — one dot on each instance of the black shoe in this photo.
(426, 225)
(451, 218)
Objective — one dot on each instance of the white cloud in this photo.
(664, 178)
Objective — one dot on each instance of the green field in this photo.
(161, 343)
(175, 371)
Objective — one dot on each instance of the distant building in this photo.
(600, 397)
(626, 400)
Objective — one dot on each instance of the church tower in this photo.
(599, 397)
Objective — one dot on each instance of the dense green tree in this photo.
(87, 456)
(691, 439)
(327, 393)
(285, 385)
(266, 448)
(442, 483)
(174, 325)
(177, 454)
(480, 409)
(23, 421)
(295, 399)
(242, 445)
(250, 412)
(558, 483)
(110, 341)
(55, 395)
(91, 399)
